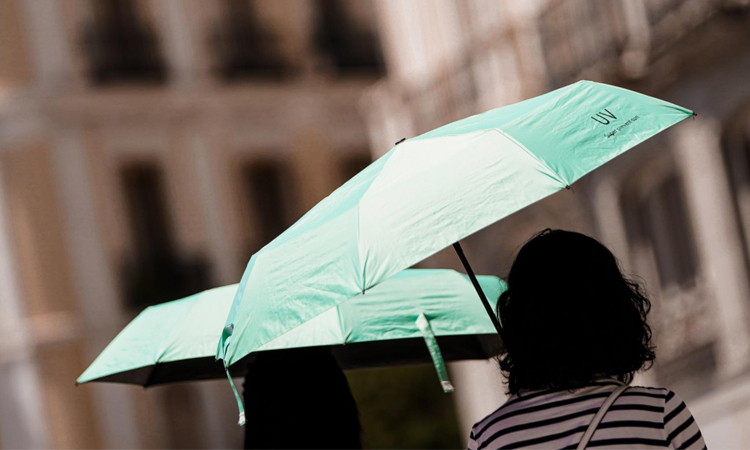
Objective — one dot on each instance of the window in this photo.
(666, 225)
(346, 36)
(153, 271)
(660, 220)
(266, 182)
(120, 46)
(245, 48)
(144, 197)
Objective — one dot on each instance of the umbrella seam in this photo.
(344, 336)
(363, 265)
(532, 155)
(164, 347)
(294, 328)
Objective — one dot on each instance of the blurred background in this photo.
(149, 147)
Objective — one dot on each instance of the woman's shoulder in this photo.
(679, 425)
(539, 407)
(669, 399)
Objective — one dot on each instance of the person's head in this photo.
(570, 316)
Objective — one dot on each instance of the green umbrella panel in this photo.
(429, 192)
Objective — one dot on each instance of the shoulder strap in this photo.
(600, 415)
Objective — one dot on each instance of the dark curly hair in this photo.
(570, 316)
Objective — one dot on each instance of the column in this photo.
(22, 420)
(698, 154)
(177, 40)
(479, 392)
(610, 224)
(634, 59)
(314, 168)
(522, 18)
(208, 182)
(50, 48)
(94, 283)
(218, 407)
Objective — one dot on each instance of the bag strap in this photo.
(600, 415)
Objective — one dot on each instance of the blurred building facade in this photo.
(147, 149)
(674, 210)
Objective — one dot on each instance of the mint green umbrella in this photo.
(176, 341)
(429, 192)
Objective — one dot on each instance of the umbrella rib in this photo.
(150, 376)
(163, 348)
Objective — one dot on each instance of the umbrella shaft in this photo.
(480, 292)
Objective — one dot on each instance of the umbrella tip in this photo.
(402, 140)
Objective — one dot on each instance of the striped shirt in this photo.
(640, 418)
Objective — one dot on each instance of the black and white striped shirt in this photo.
(640, 418)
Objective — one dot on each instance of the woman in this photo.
(575, 333)
(299, 398)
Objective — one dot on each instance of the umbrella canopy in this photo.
(176, 341)
(429, 192)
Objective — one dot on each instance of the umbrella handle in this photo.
(241, 420)
(473, 278)
(437, 357)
